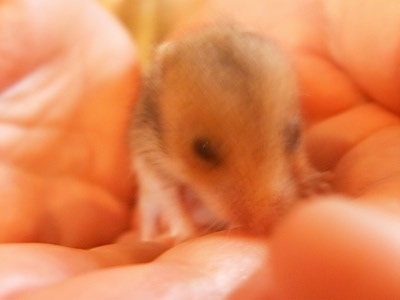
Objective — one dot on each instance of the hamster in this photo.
(217, 136)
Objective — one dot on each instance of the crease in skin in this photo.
(23, 30)
(87, 203)
(323, 54)
(354, 48)
(318, 54)
(44, 84)
(60, 175)
(41, 265)
(62, 122)
(15, 170)
(359, 92)
(54, 124)
(331, 145)
(380, 182)
(332, 51)
(338, 98)
(386, 192)
(372, 133)
(351, 166)
(181, 283)
(91, 206)
(70, 152)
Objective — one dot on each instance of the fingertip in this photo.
(335, 248)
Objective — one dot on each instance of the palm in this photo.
(64, 117)
(350, 98)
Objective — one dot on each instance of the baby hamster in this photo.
(219, 118)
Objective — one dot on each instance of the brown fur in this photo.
(235, 90)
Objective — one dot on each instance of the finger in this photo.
(337, 250)
(194, 269)
(378, 153)
(26, 267)
(29, 266)
(367, 51)
(331, 140)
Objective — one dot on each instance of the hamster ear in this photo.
(164, 49)
(160, 61)
(161, 55)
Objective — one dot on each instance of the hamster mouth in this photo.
(201, 215)
(206, 221)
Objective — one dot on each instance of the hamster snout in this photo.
(220, 116)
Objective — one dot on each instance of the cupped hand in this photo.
(346, 62)
(67, 85)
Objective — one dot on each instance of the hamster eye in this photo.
(205, 151)
(292, 135)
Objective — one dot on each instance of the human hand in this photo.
(67, 82)
(325, 249)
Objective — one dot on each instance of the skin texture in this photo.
(348, 70)
(59, 157)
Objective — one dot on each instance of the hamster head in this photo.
(229, 123)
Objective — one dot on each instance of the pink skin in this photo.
(60, 155)
(330, 248)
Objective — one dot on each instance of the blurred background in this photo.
(149, 21)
